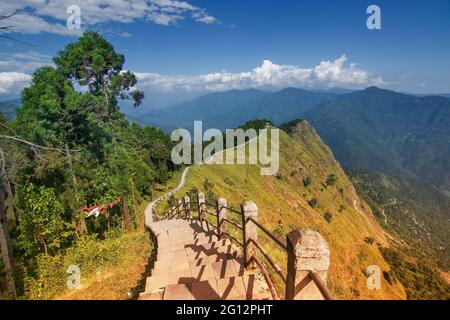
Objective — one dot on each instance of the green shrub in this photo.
(313, 203)
(307, 182)
(228, 181)
(50, 278)
(369, 240)
(328, 217)
(331, 179)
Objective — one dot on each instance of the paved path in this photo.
(150, 210)
(192, 264)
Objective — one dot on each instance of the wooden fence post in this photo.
(221, 210)
(250, 231)
(201, 205)
(126, 216)
(187, 206)
(307, 252)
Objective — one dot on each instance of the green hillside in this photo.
(389, 132)
(419, 215)
(299, 197)
(232, 108)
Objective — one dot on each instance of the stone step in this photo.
(234, 288)
(194, 264)
(154, 295)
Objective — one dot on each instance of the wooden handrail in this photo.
(233, 223)
(209, 204)
(321, 285)
(274, 265)
(234, 239)
(233, 210)
(296, 244)
(210, 213)
(273, 290)
(281, 243)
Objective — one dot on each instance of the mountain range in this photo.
(8, 108)
(376, 129)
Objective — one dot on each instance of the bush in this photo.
(369, 240)
(328, 216)
(313, 203)
(228, 181)
(50, 278)
(331, 179)
(307, 182)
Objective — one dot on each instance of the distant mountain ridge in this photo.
(376, 129)
(390, 132)
(232, 108)
(8, 108)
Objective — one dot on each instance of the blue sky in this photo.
(184, 48)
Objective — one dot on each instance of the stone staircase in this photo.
(192, 264)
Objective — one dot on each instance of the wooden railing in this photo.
(308, 256)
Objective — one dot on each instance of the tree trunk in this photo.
(6, 248)
(11, 201)
(126, 216)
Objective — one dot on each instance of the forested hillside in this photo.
(389, 132)
(69, 154)
(417, 214)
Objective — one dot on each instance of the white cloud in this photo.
(13, 82)
(326, 74)
(35, 19)
(23, 61)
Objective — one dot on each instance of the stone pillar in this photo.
(187, 206)
(201, 205)
(250, 231)
(307, 251)
(221, 214)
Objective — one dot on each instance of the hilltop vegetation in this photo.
(66, 153)
(298, 196)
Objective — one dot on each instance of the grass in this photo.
(283, 206)
(119, 277)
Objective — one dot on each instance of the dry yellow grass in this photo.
(117, 281)
(283, 206)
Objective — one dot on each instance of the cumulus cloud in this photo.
(38, 13)
(326, 74)
(23, 61)
(13, 82)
